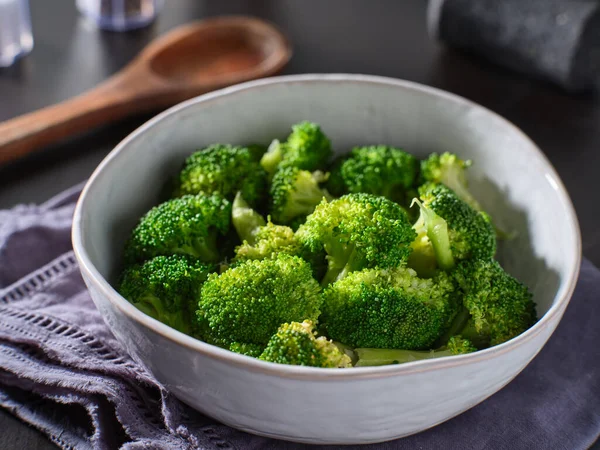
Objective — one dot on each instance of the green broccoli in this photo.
(306, 148)
(450, 170)
(295, 343)
(449, 229)
(376, 169)
(189, 225)
(270, 240)
(499, 306)
(389, 308)
(295, 193)
(165, 288)
(245, 220)
(356, 231)
(431, 248)
(253, 350)
(248, 302)
(225, 169)
(271, 159)
(382, 357)
(260, 240)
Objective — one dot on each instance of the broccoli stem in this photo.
(305, 195)
(150, 305)
(382, 357)
(302, 203)
(457, 326)
(330, 276)
(155, 308)
(204, 249)
(480, 338)
(271, 159)
(339, 267)
(437, 232)
(347, 350)
(455, 179)
(245, 220)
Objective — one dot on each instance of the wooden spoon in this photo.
(189, 61)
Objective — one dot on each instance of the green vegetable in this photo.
(165, 288)
(246, 220)
(253, 350)
(389, 308)
(270, 240)
(295, 193)
(190, 225)
(377, 169)
(254, 255)
(249, 301)
(382, 357)
(448, 169)
(453, 230)
(224, 169)
(296, 344)
(306, 148)
(431, 248)
(500, 306)
(356, 231)
(260, 240)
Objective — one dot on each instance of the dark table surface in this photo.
(387, 37)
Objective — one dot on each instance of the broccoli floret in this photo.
(246, 220)
(248, 302)
(189, 225)
(450, 170)
(378, 170)
(165, 288)
(389, 308)
(356, 231)
(295, 193)
(273, 156)
(422, 258)
(252, 350)
(455, 231)
(500, 306)
(225, 169)
(269, 241)
(382, 357)
(306, 148)
(296, 344)
(260, 240)
(431, 248)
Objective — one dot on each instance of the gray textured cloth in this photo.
(557, 40)
(62, 371)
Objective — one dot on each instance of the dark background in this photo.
(386, 37)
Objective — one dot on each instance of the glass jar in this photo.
(120, 15)
(16, 39)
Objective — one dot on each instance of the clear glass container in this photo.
(120, 15)
(16, 39)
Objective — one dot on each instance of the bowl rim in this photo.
(88, 269)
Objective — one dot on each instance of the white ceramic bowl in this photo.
(511, 178)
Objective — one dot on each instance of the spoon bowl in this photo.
(227, 51)
(186, 62)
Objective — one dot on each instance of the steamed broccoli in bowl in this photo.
(277, 253)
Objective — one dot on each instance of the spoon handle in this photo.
(116, 98)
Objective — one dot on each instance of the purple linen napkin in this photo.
(63, 372)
